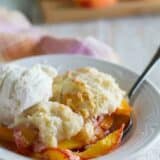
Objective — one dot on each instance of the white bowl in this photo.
(146, 108)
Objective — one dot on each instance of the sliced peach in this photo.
(7, 139)
(124, 109)
(121, 116)
(6, 134)
(103, 146)
(24, 137)
(56, 154)
(72, 155)
(70, 144)
(118, 120)
(106, 122)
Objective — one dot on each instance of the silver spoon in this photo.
(132, 92)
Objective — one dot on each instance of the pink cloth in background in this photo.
(19, 39)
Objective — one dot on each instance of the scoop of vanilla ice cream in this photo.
(21, 88)
(9, 74)
(55, 122)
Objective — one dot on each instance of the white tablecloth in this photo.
(135, 39)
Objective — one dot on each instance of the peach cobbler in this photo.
(80, 114)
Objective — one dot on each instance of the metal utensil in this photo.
(132, 92)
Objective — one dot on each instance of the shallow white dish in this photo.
(146, 128)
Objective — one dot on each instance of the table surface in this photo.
(135, 40)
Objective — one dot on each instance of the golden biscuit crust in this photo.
(55, 122)
(88, 92)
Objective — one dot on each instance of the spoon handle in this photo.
(147, 70)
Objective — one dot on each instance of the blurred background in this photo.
(130, 27)
(52, 11)
(122, 31)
